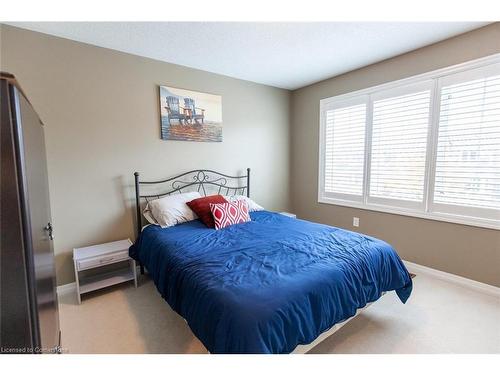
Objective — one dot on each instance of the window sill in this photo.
(449, 218)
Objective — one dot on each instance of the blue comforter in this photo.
(270, 284)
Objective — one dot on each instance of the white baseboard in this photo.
(468, 283)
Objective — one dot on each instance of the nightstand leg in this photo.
(77, 282)
(134, 266)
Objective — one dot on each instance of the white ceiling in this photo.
(286, 55)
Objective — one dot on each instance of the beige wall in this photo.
(463, 250)
(101, 113)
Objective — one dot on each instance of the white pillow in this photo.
(171, 210)
(252, 206)
(148, 215)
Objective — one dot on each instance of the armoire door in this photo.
(35, 188)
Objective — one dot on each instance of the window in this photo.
(399, 145)
(468, 149)
(428, 146)
(345, 151)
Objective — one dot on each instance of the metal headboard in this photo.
(203, 180)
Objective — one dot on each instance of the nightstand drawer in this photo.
(101, 261)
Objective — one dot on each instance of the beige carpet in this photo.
(440, 317)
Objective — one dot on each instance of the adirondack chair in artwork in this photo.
(175, 111)
(193, 112)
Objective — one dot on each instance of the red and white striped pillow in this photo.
(226, 214)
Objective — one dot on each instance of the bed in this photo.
(266, 286)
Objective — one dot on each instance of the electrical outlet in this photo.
(355, 221)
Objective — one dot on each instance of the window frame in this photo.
(362, 99)
(386, 94)
(480, 217)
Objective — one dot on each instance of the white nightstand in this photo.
(289, 214)
(92, 257)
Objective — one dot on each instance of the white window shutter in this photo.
(344, 150)
(426, 146)
(467, 169)
(399, 146)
